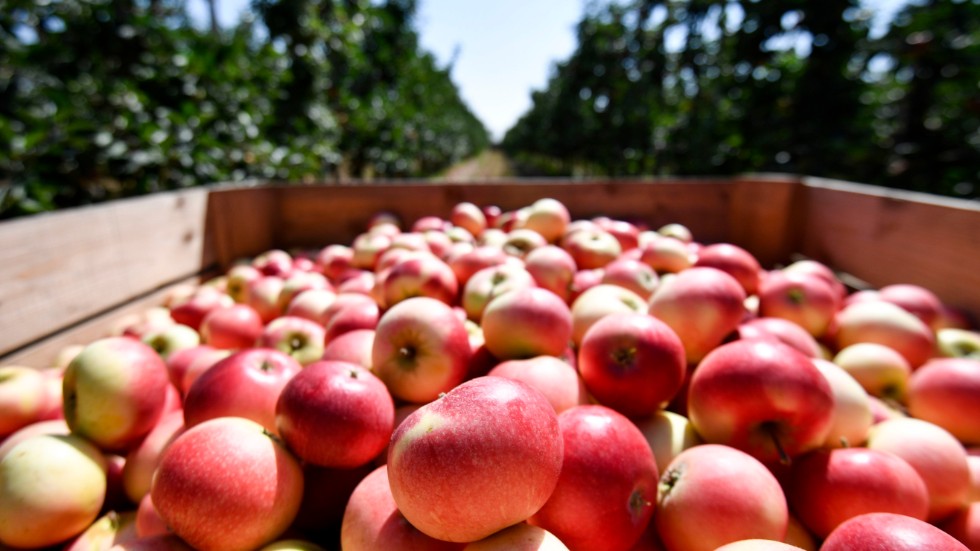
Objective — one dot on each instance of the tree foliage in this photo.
(801, 86)
(110, 98)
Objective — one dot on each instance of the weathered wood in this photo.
(766, 217)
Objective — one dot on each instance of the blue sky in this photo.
(503, 49)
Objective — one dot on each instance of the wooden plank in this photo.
(242, 221)
(885, 236)
(61, 268)
(767, 217)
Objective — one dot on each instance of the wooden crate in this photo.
(66, 276)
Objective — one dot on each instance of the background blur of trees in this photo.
(109, 98)
(798, 86)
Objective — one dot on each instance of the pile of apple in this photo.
(505, 380)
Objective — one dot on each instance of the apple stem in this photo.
(774, 436)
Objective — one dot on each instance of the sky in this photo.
(501, 50)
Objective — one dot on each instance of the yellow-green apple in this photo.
(353, 346)
(194, 308)
(420, 274)
(525, 323)
(519, 537)
(204, 357)
(677, 231)
(964, 525)
(466, 264)
(372, 520)
(852, 407)
(916, 299)
(238, 279)
(757, 545)
(469, 217)
(633, 275)
(235, 327)
(548, 217)
(805, 299)
(110, 529)
(227, 484)
(142, 461)
(148, 520)
(421, 349)
(555, 378)
(24, 398)
(171, 339)
(482, 457)
(954, 342)
(335, 414)
(761, 397)
(491, 282)
(894, 532)
(326, 492)
(667, 255)
(300, 281)
(311, 304)
(521, 241)
(781, 330)
(599, 301)
(51, 489)
(245, 384)
(738, 262)
(335, 259)
(632, 363)
(935, 454)
(263, 296)
(367, 247)
(114, 392)
(668, 434)
(885, 323)
(827, 487)
(880, 369)
(946, 391)
(51, 426)
(608, 484)
(298, 337)
(274, 262)
(552, 268)
(349, 312)
(711, 495)
(590, 246)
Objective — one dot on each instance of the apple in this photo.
(482, 457)
(702, 305)
(193, 309)
(935, 454)
(946, 391)
(852, 416)
(608, 484)
(781, 330)
(667, 255)
(227, 484)
(632, 363)
(469, 217)
(274, 262)
(736, 261)
(549, 218)
(335, 414)
(761, 397)
(296, 283)
(880, 369)
(711, 495)
(413, 241)
(114, 392)
(757, 545)
(326, 492)
(421, 349)
(420, 274)
(335, 259)
(310, 304)
(677, 231)
(552, 268)
(555, 378)
(964, 525)
(491, 282)
(466, 264)
(600, 301)
(954, 342)
(827, 487)
(142, 461)
(885, 323)
(51, 489)
(372, 520)
(292, 545)
(160, 542)
(590, 247)
(298, 337)
(171, 339)
(525, 323)
(51, 426)
(358, 281)
(805, 299)
(367, 247)
(633, 275)
(238, 280)
(245, 384)
(110, 529)
(668, 434)
(627, 233)
(353, 346)
(519, 537)
(349, 312)
(915, 299)
(203, 360)
(23, 398)
(890, 531)
(521, 241)
(151, 320)
(148, 520)
(263, 296)
(235, 327)
(821, 270)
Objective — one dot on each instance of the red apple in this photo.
(235, 327)
(298, 282)
(947, 392)
(491, 282)
(23, 398)
(590, 246)
(763, 398)
(667, 255)
(711, 495)
(148, 520)
(632, 363)
(558, 381)
(141, 462)
(880, 369)
(804, 299)
(205, 358)
(521, 241)
(627, 233)
(469, 217)
(964, 525)
(608, 484)
(263, 297)
(633, 275)
(274, 262)
(552, 268)
(227, 484)
(481, 458)
(677, 231)
(519, 537)
(193, 309)
(600, 301)
(889, 531)
(782, 330)
(349, 312)
(525, 323)
(335, 259)
(828, 487)
(300, 338)
(757, 545)
(885, 323)
(238, 280)
(468, 263)
(353, 346)
(548, 217)
(420, 274)
(736, 261)
(852, 407)
(335, 414)
(915, 299)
